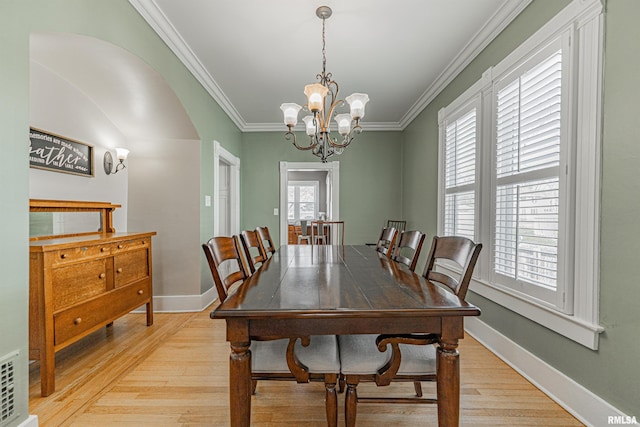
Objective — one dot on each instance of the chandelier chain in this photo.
(324, 55)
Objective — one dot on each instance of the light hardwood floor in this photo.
(175, 373)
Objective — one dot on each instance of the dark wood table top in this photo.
(322, 281)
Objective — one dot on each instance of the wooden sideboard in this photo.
(81, 283)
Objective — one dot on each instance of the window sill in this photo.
(580, 331)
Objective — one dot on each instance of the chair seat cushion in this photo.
(359, 355)
(321, 356)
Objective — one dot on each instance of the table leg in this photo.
(240, 384)
(448, 383)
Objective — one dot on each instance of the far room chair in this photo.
(253, 250)
(266, 240)
(407, 251)
(407, 357)
(304, 232)
(397, 224)
(281, 359)
(386, 241)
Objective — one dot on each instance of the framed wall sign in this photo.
(59, 154)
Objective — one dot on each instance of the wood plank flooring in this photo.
(175, 373)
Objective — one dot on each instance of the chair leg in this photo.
(254, 384)
(418, 387)
(351, 402)
(331, 399)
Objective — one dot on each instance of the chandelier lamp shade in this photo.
(322, 102)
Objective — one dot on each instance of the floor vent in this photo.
(8, 409)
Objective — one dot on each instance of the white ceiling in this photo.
(253, 55)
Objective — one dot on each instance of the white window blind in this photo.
(460, 176)
(528, 141)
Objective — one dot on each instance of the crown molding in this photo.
(151, 13)
(167, 32)
(506, 13)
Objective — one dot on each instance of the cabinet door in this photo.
(78, 282)
(130, 266)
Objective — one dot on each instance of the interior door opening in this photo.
(308, 191)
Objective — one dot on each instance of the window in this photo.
(519, 171)
(460, 175)
(528, 142)
(302, 200)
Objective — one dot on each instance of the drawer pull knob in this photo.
(77, 320)
(120, 246)
(102, 275)
(119, 270)
(63, 256)
(103, 249)
(140, 292)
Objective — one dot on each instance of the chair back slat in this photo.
(266, 240)
(464, 252)
(409, 241)
(386, 241)
(251, 241)
(218, 250)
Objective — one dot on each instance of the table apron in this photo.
(450, 327)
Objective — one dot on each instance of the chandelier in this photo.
(318, 123)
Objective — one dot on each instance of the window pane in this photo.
(307, 210)
(460, 151)
(528, 119)
(307, 193)
(291, 210)
(291, 193)
(526, 245)
(460, 214)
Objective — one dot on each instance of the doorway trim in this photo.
(333, 173)
(220, 154)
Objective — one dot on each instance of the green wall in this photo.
(613, 371)
(114, 21)
(369, 181)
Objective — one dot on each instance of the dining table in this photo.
(305, 290)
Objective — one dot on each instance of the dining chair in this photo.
(405, 357)
(319, 232)
(386, 241)
(265, 236)
(304, 232)
(253, 250)
(397, 224)
(407, 251)
(300, 359)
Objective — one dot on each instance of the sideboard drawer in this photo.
(79, 253)
(80, 318)
(74, 283)
(131, 244)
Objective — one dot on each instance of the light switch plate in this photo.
(275, 211)
(207, 200)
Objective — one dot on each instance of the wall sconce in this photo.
(121, 154)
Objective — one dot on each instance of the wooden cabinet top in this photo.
(56, 243)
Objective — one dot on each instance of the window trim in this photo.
(584, 20)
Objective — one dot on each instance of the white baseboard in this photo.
(31, 421)
(583, 404)
(182, 303)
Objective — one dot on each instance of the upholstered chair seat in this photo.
(360, 356)
(321, 356)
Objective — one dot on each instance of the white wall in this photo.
(164, 196)
(58, 107)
